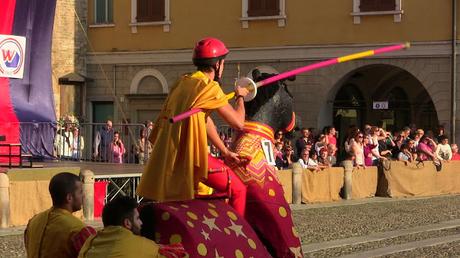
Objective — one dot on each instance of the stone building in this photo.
(69, 49)
(138, 48)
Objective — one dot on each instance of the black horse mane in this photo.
(264, 93)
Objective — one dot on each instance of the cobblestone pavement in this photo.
(324, 223)
(12, 246)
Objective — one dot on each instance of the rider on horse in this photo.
(179, 159)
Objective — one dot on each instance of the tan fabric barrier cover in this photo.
(29, 193)
(285, 178)
(322, 186)
(401, 180)
(364, 183)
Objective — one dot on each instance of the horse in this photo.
(267, 210)
(211, 228)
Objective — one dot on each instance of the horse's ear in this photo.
(255, 74)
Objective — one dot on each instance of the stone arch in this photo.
(420, 75)
(148, 72)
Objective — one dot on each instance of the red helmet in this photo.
(208, 51)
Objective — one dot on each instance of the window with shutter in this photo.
(377, 5)
(150, 10)
(103, 12)
(263, 8)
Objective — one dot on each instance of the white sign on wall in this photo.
(380, 105)
(12, 53)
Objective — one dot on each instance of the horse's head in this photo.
(273, 103)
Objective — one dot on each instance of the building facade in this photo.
(138, 48)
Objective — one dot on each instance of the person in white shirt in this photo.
(78, 144)
(443, 150)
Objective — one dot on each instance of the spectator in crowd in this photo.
(455, 154)
(367, 149)
(375, 139)
(149, 127)
(406, 133)
(439, 133)
(351, 134)
(443, 150)
(332, 154)
(303, 140)
(214, 151)
(279, 155)
(226, 139)
(103, 143)
(314, 158)
(288, 157)
(399, 142)
(279, 136)
(52, 233)
(331, 136)
(405, 154)
(418, 136)
(367, 129)
(305, 161)
(78, 144)
(413, 150)
(117, 148)
(357, 148)
(411, 145)
(386, 144)
(121, 237)
(303, 158)
(324, 158)
(143, 147)
(320, 143)
(431, 135)
(63, 142)
(374, 136)
(426, 149)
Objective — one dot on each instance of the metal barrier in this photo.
(96, 142)
(121, 184)
(92, 141)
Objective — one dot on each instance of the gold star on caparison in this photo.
(296, 251)
(211, 223)
(205, 235)
(237, 229)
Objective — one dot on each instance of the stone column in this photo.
(4, 200)
(297, 183)
(348, 167)
(88, 191)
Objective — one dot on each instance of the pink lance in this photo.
(304, 69)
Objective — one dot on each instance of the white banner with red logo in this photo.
(12, 53)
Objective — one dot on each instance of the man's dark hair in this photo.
(61, 185)
(442, 138)
(119, 209)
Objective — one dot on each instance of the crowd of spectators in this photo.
(108, 143)
(68, 143)
(368, 146)
(312, 151)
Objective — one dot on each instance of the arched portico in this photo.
(383, 95)
(137, 79)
